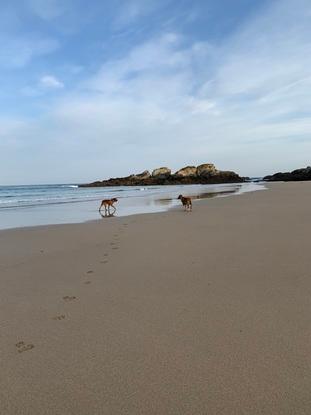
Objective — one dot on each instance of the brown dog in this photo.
(186, 201)
(107, 203)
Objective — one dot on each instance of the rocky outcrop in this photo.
(206, 170)
(189, 171)
(161, 173)
(141, 176)
(293, 176)
(203, 174)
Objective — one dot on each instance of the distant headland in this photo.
(293, 176)
(202, 174)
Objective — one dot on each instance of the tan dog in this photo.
(107, 203)
(186, 201)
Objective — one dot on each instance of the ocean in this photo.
(33, 205)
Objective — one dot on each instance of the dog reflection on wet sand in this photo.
(106, 214)
(108, 203)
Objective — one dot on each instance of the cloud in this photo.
(243, 103)
(131, 10)
(48, 9)
(270, 53)
(159, 73)
(10, 131)
(51, 82)
(17, 51)
(46, 84)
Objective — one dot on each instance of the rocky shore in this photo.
(293, 176)
(203, 174)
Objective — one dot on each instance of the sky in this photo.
(98, 89)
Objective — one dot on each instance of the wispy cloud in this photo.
(50, 81)
(18, 51)
(49, 9)
(131, 10)
(46, 84)
(242, 102)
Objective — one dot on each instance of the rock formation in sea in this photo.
(189, 171)
(161, 173)
(293, 176)
(203, 174)
(207, 170)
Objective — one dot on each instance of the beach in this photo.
(163, 313)
(37, 205)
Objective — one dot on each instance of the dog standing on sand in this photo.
(108, 203)
(187, 203)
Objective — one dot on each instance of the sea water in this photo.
(32, 205)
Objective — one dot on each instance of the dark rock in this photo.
(141, 176)
(187, 171)
(163, 176)
(161, 173)
(144, 175)
(296, 175)
(206, 170)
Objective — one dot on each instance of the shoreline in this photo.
(164, 313)
(168, 204)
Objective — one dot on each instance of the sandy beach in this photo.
(167, 313)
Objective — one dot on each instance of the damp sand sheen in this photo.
(165, 313)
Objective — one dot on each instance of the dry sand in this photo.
(206, 312)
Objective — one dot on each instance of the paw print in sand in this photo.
(23, 347)
(69, 298)
(61, 317)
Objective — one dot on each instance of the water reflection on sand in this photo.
(153, 199)
(170, 201)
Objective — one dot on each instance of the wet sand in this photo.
(169, 313)
(78, 207)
